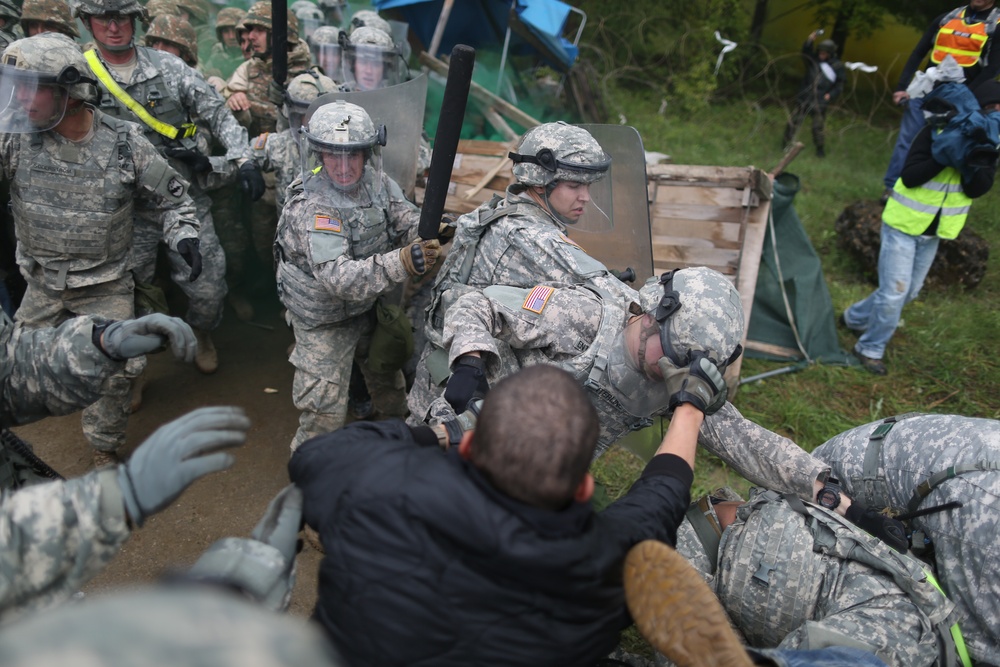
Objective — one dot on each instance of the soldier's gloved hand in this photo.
(887, 529)
(700, 384)
(189, 250)
(275, 93)
(455, 428)
(418, 258)
(468, 378)
(446, 230)
(177, 454)
(133, 338)
(264, 565)
(195, 161)
(251, 180)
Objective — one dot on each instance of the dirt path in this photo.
(252, 360)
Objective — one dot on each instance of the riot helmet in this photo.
(10, 14)
(52, 15)
(156, 8)
(371, 60)
(689, 314)
(38, 76)
(309, 17)
(555, 153)
(174, 31)
(259, 16)
(324, 43)
(343, 150)
(108, 12)
(197, 11)
(227, 18)
(367, 18)
(302, 90)
(333, 11)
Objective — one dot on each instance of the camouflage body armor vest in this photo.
(156, 97)
(364, 233)
(72, 207)
(263, 114)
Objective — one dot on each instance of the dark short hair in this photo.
(536, 436)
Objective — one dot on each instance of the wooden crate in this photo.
(474, 160)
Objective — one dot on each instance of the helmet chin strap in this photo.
(548, 205)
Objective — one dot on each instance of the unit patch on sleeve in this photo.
(261, 142)
(569, 240)
(537, 298)
(325, 223)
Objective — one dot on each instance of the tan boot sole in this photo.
(677, 612)
(312, 539)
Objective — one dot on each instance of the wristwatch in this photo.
(829, 495)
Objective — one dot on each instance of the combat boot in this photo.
(207, 359)
(106, 458)
(677, 612)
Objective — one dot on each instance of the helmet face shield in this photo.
(328, 57)
(30, 101)
(370, 67)
(633, 373)
(598, 214)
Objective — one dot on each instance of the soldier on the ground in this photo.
(946, 467)
(344, 241)
(10, 14)
(371, 60)
(167, 98)
(174, 35)
(38, 16)
(70, 162)
(326, 51)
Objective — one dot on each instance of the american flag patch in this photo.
(261, 142)
(325, 223)
(537, 298)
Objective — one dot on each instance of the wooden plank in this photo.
(776, 350)
(699, 196)
(498, 123)
(711, 177)
(661, 214)
(723, 234)
(454, 203)
(471, 169)
(691, 255)
(480, 147)
(662, 266)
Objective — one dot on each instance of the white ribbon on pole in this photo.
(864, 67)
(727, 46)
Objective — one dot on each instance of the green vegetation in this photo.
(944, 357)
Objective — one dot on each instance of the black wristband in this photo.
(470, 360)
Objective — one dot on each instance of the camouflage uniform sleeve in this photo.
(206, 105)
(761, 456)
(9, 144)
(553, 320)
(263, 147)
(404, 216)
(57, 537)
(50, 371)
(163, 191)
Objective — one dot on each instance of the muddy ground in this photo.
(252, 362)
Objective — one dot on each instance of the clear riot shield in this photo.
(628, 244)
(401, 109)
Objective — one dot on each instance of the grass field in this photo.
(943, 358)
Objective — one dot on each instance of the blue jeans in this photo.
(913, 120)
(834, 656)
(903, 263)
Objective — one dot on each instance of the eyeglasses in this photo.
(107, 20)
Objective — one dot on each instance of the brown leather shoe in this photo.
(207, 359)
(677, 612)
(873, 366)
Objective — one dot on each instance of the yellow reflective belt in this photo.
(97, 67)
(956, 632)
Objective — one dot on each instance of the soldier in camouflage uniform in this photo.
(174, 35)
(10, 14)
(923, 462)
(59, 535)
(226, 54)
(371, 60)
(174, 97)
(278, 152)
(255, 106)
(798, 576)
(81, 165)
(155, 8)
(367, 18)
(326, 51)
(519, 241)
(337, 251)
(38, 16)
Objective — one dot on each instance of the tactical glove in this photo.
(177, 454)
(275, 93)
(418, 258)
(468, 378)
(455, 428)
(189, 250)
(887, 529)
(264, 565)
(195, 161)
(133, 338)
(446, 230)
(251, 180)
(700, 384)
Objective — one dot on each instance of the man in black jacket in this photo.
(822, 83)
(487, 553)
